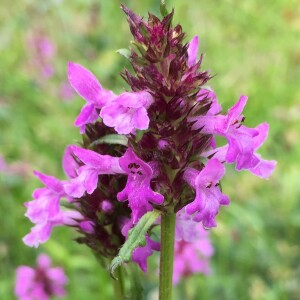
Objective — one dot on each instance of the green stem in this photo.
(166, 256)
(119, 285)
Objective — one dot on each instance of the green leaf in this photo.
(111, 139)
(124, 52)
(163, 8)
(136, 238)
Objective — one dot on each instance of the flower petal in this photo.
(87, 115)
(69, 164)
(50, 182)
(138, 191)
(84, 82)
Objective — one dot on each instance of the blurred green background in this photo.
(252, 46)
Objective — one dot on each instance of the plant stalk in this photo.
(118, 285)
(166, 256)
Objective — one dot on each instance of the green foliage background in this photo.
(252, 46)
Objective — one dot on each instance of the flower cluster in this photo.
(149, 148)
(40, 283)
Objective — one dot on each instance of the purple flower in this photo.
(46, 200)
(192, 257)
(243, 141)
(88, 87)
(128, 112)
(208, 195)
(125, 112)
(185, 228)
(141, 254)
(263, 169)
(40, 233)
(193, 51)
(138, 191)
(176, 120)
(44, 210)
(94, 164)
(41, 282)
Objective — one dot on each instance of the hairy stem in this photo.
(166, 256)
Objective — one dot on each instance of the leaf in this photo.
(163, 8)
(124, 52)
(111, 139)
(136, 238)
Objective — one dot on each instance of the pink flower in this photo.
(88, 87)
(192, 257)
(185, 228)
(94, 164)
(44, 211)
(208, 195)
(242, 141)
(263, 169)
(128, 112)
(40, 283)
(141, 254)
(138, 191)
(125, 112)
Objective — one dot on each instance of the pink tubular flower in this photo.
(138, 191)
(243, 141)
(40, 283)
(40, 233)
(263, 168)
(192, 257)
(88, 87)
(208, 195)
(141, 254)
(125, 112)
(44, 210)
(128, 112)
(147, 149)
(185, 228)
(94, 165)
